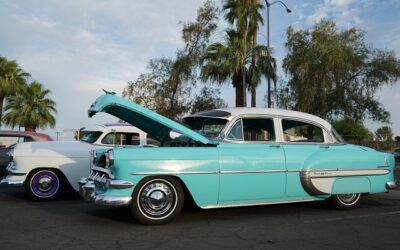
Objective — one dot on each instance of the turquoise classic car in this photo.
(229, 158)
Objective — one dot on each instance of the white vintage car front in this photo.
(46, 169)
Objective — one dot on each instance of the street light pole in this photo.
(268, 45)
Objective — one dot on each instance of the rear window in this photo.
(297, 131)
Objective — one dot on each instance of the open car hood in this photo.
(150, 122)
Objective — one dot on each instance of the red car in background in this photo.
(9, 138)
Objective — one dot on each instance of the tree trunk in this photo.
(239, 94)
(31, 128)
(253, 63)
(1, 109)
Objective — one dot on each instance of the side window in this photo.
(121, 139)
(296, 131)
(27, 139)
(236, 132)
(258, 129)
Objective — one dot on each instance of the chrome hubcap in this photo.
(348, 198)
(157, 199)
(44, 183)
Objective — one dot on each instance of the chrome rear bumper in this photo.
(392, 185)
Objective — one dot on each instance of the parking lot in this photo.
(70, 223)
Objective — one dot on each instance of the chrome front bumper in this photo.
(87, 191)
(14, 176)
(391, 185)
(8, 180)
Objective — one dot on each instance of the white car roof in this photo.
(117, 126)
(268, 111)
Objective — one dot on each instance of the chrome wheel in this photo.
(44, 184)
(346, 201)
(157, 201)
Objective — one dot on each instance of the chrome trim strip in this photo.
(175, 172)
(313, 172)
(251, 171)
(16, 172)
(254, 204)
(345, 173)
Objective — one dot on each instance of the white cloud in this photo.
(78, 48)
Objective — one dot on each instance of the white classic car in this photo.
(46, 169)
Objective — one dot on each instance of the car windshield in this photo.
(206, 126)
(90, 136)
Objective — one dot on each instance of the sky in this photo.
(78, 48)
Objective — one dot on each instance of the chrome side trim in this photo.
(254, 204)
(175, 172)
(320, 182)
(251, 171)
(328, 173)
(345, 172)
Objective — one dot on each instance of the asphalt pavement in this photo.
(70, 223)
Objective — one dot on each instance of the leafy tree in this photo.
(155, 90)
(207, 99)
(224, 61)
(167, 84)
(31, 108)
(352, 131)
(246, 16)
(335, 74)
(11, 77)
(384, 134)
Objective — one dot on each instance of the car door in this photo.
(301, 139)
(252, 164)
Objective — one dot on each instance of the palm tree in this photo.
(30, 108)
(246, 14)
(11, 76)
(226, 61)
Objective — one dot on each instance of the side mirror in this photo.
(221, 135)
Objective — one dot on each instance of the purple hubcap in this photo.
(45, 184)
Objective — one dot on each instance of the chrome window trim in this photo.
(328, 138)
(254, 116)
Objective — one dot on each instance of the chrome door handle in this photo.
(275, 145)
